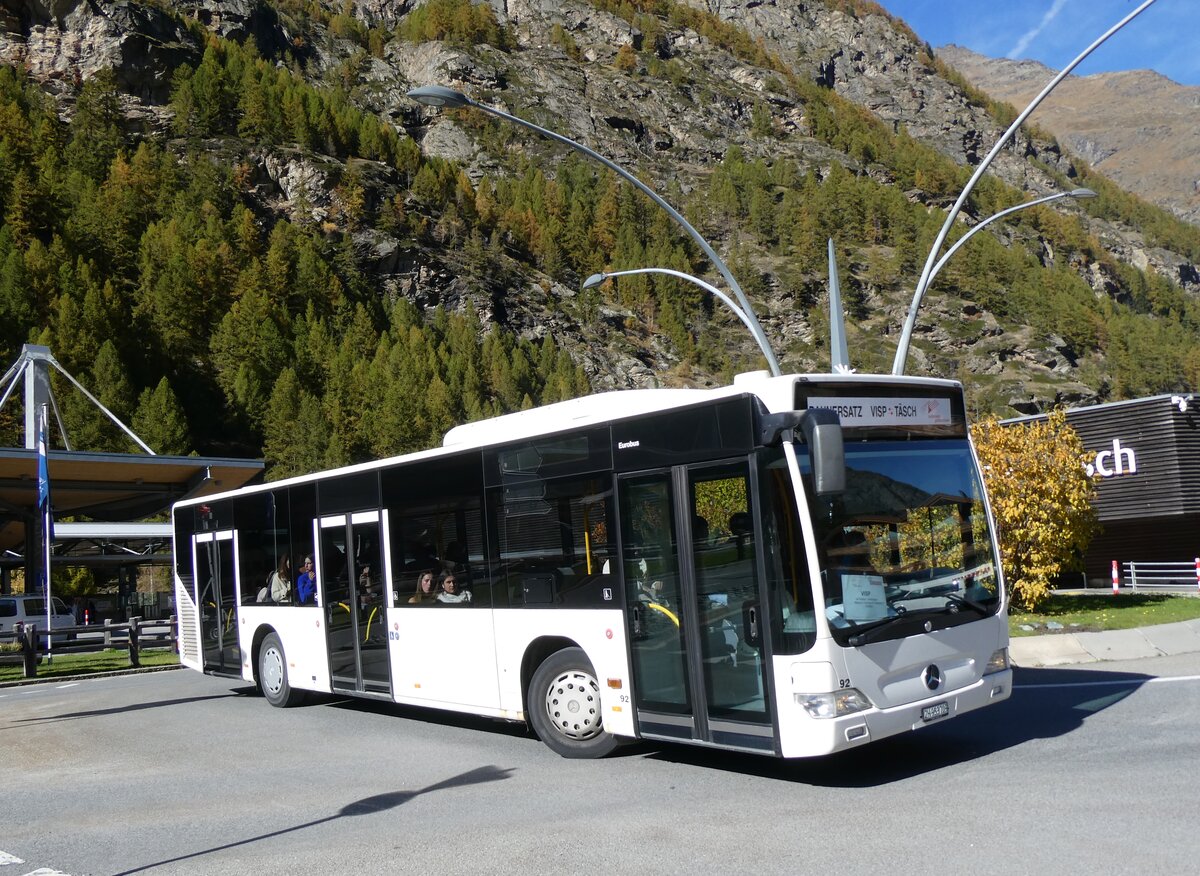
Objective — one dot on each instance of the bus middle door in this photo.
(691, 579)
(355, 590)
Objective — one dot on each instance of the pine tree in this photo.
(160, 421)
(295, 430)
(95, 129)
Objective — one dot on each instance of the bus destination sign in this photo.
(886, 411)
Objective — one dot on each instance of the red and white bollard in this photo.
(1117, 579)
(87, 614)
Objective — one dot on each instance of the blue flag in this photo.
(44, 476)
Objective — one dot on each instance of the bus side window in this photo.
(554, 539)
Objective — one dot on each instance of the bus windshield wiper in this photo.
(870, 632)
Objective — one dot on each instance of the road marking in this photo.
(6, 859)
(1129, 682)
(65, 686)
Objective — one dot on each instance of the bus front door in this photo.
(214, 558)
(355, 589)
(692, 582)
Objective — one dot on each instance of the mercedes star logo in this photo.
(932, 676)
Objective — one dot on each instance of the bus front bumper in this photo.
(802, 735)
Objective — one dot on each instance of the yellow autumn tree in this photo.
(1041, 496)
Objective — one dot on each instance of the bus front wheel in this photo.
(272, 674)
(564, 706)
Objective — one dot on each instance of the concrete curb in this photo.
(1059, 649)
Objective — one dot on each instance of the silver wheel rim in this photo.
(573, 705)
(272, 671)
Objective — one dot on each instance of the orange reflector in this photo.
(616, 708)
(615, 683)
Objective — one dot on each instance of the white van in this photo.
(32, 610)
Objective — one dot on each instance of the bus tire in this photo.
(272, 674)
(564, 706)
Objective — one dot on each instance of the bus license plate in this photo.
(937, 710)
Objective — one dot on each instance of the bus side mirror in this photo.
(823, 434)
(822, 431)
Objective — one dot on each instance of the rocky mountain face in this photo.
(669, 100)
(1137, 127)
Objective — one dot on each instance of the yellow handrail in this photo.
(664, 610)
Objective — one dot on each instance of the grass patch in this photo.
(1079, 613)
(85, 664)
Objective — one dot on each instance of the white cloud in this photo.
(1029, 36)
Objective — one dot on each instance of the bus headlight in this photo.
(998, 662)
(835, 704)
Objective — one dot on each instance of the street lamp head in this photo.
(439, 95)
(594, 280)
(1082, 193)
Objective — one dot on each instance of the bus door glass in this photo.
(213, 561)
(691, 577)
(355, 593)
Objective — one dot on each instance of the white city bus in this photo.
(791, 566)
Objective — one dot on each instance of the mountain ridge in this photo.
(1137, 126)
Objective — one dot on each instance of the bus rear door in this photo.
(214, 559)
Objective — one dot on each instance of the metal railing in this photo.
(1161, 576)
(135, 634)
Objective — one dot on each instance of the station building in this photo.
(1147, 454)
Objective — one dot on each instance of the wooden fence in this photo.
(134, 634)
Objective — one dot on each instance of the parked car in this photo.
(32, 610)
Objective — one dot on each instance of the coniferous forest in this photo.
(210, 319)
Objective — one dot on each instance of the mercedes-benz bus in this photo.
(791, 566)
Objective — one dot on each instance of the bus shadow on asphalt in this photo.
(118, 710)
(1045, 703)
(372, 805)
(429, 716)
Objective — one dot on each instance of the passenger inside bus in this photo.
(451, 593)
(426, 590)
(306, 584)
(281, 581)
(370, 591)
(741, 530)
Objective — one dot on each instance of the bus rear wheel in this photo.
(272, 674)
(564, 706)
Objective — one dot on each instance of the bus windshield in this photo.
(906, 547)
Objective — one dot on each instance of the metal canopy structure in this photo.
(106, 489)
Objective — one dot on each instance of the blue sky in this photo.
(1164, 37)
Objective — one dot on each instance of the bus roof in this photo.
(775, 392)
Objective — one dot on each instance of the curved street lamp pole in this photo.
(597, 279)
(927, 273)
(441, 96)
(1074, 193)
